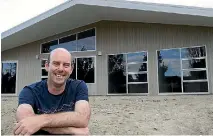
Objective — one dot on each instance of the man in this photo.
(58, 105)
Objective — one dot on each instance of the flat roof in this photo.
(76, 13)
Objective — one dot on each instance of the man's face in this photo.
(59, 68)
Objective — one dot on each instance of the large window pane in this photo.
(194, 75)
(138, 88)
(137, 77)
(195, 52)
(137, 67)
(136, 57)
(73, 75)
(49, 46)
(117, 73)
(86, 69)
(195, 87)
(169, 71)
(69, 43)
(9, 71)
(86, 40)
(194, 63)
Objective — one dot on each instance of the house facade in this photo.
(117, 47)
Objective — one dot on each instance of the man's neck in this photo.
(54, 89)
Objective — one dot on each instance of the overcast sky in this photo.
(14, 12)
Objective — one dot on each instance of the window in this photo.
(117, 73)
(169, 71)
(86, 40)
(73, 75)
(9, 77)
(86, 69)
(49, 46)
(68, 43)
(83, 69)
(182, 70)
(137, 72)
(44, 73)
(82, 41)
(127, 73)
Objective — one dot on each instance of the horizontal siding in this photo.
(122, 37)
(29, 68)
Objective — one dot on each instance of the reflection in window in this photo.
(191, 62)
(194, 75)
(68, 43)
(86, 40)
(194, 63)
(195, 52)
(73, 74)
(82, 41)
(137, 67)
(8, 79)
(138, 88)
(137, 72)
(49, 46)
(136, 57)
(169, 73)
(43, 63)
(44, 72)
(195, 87)
(137, 78)
(86, 69)
(117, 73)
(133, 65)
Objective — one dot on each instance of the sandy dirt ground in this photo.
(138, 115)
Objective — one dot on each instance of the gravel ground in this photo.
(138, 115)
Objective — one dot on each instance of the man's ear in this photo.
(72, 67)
(47, 66)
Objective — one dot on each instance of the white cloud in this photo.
(173, 66)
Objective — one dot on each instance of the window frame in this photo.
(76, 33)
(16, 90)
(181, 70)
(127, 83)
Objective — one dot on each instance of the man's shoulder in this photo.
(36, 86)
(75, 83)
(33, 89)
(79, 87)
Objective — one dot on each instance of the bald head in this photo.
(59, 66)
(59, 52)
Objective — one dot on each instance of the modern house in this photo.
(118, 47)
